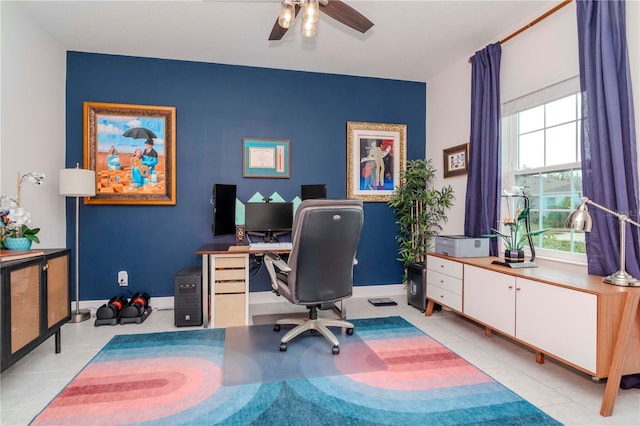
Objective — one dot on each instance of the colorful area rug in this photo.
(176, 378)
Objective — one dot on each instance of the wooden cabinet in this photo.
(35, 302)
(574, 318)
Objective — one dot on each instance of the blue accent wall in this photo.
(216, 106)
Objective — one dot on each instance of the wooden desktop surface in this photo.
(228, 248)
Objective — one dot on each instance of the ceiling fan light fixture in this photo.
(311, 10)
(309, 28)
(287, 14)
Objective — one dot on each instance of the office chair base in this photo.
(319, 325)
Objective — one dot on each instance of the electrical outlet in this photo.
(123, 279)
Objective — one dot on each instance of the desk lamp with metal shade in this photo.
(78, 183)
(580, 219)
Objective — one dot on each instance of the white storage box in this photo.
(462, 246)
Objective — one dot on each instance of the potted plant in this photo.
(420, 211)
(14, 230)
(515, 237)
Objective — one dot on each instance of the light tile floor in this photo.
(567, 395)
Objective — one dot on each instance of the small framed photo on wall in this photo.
(456, 160)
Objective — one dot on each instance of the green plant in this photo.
(419, 209)
(515, 238)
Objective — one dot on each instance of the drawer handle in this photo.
(510, 287)
(441, 281)
(518, 289)
(442, 296)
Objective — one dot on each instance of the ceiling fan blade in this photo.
(347, 15)
(277, 32)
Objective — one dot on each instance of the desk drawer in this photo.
(229, 310)
(230, 262)
(229, 287)
(444, 297)
(230, 275)
(446, 282)
(444, 266)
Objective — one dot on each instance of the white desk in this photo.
(225, 283)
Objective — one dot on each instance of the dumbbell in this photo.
(136, 306)
(112, 308)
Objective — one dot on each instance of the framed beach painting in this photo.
(376, 153)
(456, 160)
(265, 158)
(132, 149)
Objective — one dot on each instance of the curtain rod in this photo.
(535, 21)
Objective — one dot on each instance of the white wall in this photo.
(32, 136)
(543, 54)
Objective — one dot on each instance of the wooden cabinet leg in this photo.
(429, 311)
(539, 357)
(617, 359)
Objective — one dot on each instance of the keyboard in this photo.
(270, 246)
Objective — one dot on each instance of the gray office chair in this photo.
(319, 271)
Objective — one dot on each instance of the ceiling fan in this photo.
(336, 9)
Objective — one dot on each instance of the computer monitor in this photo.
(313, 191)
(223, 199)
(268, 220)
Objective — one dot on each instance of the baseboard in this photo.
(163, 303)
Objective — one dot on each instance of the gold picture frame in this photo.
(376, 154)
(456, 160)
(132, 149)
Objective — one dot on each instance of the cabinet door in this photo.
(489, 297)
(24, 291)
(557, 320)
(57, 289)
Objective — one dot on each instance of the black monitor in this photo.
(313, 191)
(224, 209)
(268, 220)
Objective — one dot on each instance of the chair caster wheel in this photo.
(350, 331)
(283, 347)
(335, 350)
(276, 327)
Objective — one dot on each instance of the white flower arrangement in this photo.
(14, 220)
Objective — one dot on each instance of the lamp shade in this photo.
(77, 182)
(580, 219)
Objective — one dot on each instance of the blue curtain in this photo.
(482, 203)
(609, 154)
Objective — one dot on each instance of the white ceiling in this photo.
(411, 40)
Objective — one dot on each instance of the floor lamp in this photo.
(78, 183)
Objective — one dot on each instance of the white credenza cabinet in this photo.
(553, 319)
(574, 318)
(558, 321)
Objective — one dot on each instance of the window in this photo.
(541, 153)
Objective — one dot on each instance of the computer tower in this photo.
(313, 191)
(187, 299)
(223, 199)
(416, 286)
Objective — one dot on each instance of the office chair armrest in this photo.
(272, 261)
